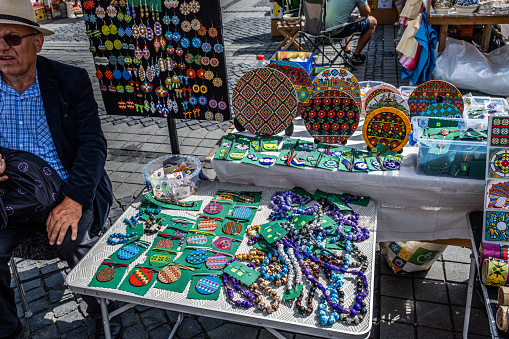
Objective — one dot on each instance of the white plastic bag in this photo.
(463, 65)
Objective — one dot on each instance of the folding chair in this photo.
(315, 33)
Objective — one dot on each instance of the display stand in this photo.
(284, 318)
(490, 294)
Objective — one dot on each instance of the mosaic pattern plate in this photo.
(431, 92)
(338, 79)
(500, 132)
(388, 100)
(386, 126)
(442, 110)
(299, 78)
(376, 90)
(499, 163)
(331, 116)
(265, 101)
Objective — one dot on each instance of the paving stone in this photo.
(433, 315)
(69, 322)
(210, 323)
(188, 328)
(134, 332)
(478, 323)
(55, 295)
(435, 272)
(24, 263)
(232, 330)
(390, 330)
(45, 333)
(127, 190)
(142, 308)
(153, 318)
(64, 307)
(172, 315)
(55, 280)
(35, 294)
(41, 320)
(28, 272)
(264, 334)
(30, 285)
(457, 272)
(79, 332)
(430, 290)
(161, 332)
(129, 318)
(394, 286)
(426, 333)
(458, 295)
(190, 142)
(39, 306)
(397, 310)
(53, 266)
(304, 336)
(457, 254)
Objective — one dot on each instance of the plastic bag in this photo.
(463, 65)
(411, 256)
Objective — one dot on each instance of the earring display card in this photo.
(156, 58)
(242, 272)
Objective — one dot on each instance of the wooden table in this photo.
(444, 20)
(291, 33)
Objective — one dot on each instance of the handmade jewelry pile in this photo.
(308, 249)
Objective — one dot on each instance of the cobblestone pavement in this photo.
(421, 305)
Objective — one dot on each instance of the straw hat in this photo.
(20, 12)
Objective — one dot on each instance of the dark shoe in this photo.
(16, 334)
(116, 328)
(358, 59)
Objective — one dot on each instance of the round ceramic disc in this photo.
(157, 260)
(128, 252)
(197, 239)
(213, 208)
(264, 101)
(207, 225)
(499, 164)
(140, 277)
(197, 257)
(165, 243)
(242, 212)
(331, 116)
(216, 262)
(376, 90)
(246, 199)
(388, 100)
(366, 85)
(106, 274)
(300, 79)
(339, 79)
(431, 92)
(232, 228)
(222, 243)
(207, 285)
(169, 274)
(441, 110)
(388, 127)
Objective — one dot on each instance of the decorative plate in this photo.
(376, 90)
(207, 225)
(140, 277)
(197, 239)
(386, 126)
(213, 208)
(232, 228)
(388, 100)
(242, 212)
(169, 274)
(500, 132)
(197, 257)
(300, 79)
(431, 92)
(158, 260)
(216, 262)
(128, 252)
(165, 243)
(327, 79)
(223, 243)
(265, 101)
(499, 164)
(498, 195)
(106, 274)
(441, 110)
(207, 285)
(341, 85)
(331, 116)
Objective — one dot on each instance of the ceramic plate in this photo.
(441, 110)
(339, 79)
(388, 100)
(386, 126)
(431, 92)
(374, 91)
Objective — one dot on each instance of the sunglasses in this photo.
(14, 39)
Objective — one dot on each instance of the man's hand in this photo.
(66, 214)
(2, 169)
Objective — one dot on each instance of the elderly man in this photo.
(339, 12)
(48, 109)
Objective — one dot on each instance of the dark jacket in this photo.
(74, 123)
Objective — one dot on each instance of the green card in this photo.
(293, 293)
(290, 144)
(304, 146)
(194, 294)
(263, 245)
(338, 245)
(270, 144)
(254, 146)
(242, 272)
(328, 162)
(313, 159)
(181, 223)
(139, 290)
(259, 159)
(249, 198)
(327, 222)
(302, 192)
(442, 123)
(177, 286)
(301, 220)
(272, 231)
(115, 281)
(196, 205)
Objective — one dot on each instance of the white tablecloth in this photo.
(411, 206)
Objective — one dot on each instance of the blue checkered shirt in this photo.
(23, 125)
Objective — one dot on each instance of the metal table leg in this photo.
(106, 319)
(468, 305)
(177, 324)
(275, 333)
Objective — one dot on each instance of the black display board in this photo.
(159, 58)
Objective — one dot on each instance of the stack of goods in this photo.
(482, 107)
(310, 242)
(275, 150)
(503, 309)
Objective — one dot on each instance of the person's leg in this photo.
(10, 237)
(366, 34)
